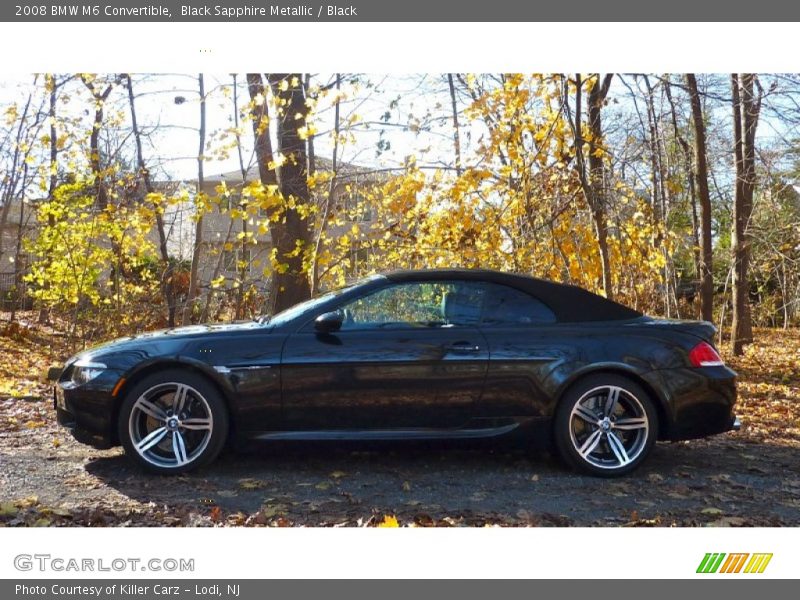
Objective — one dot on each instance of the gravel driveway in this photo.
(48, 479)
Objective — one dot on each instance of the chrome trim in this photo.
(88, 364)
(227, 370)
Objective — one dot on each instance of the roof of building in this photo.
(344, 171)
(569, 303)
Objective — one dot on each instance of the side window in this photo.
(416, 304)
(506, 306)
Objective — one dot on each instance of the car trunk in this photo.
(702, 330)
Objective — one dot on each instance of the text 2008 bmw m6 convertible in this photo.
(409, 355)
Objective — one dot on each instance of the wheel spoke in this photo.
(151, 409)
(611, 400)
(618, 449)
(151, 439)
(195, 423)
(179, 448)
(585, 414)
(591, 443)
(179, 399)
(631, 423)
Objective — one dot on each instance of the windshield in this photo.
(294, 311)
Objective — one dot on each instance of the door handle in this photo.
(462, 347)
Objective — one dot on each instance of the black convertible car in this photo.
(409, 355)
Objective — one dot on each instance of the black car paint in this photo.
(287, 379)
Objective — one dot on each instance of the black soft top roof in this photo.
(569, 303)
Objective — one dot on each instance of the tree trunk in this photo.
(456, 133)
(239, 310)
(95, 163)
(701, 184)
(198, 229)
(18, 266)
(19, 263)
(215, 273)
(688, 160)
(290, 284)
(315, 276)
(259, 117)
(659, 203)
(51, 113)
(746, 108)
(593, 185)
(292, 176)
(241, 271)
(655, 159)
(144, 173)
(52, 85)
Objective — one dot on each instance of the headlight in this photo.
(83, 371)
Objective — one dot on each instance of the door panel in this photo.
(383, 379)
(407, 355)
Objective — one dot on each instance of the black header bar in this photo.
(402, 11)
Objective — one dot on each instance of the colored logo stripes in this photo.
(719, 562)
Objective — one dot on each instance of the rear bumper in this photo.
(698, 401)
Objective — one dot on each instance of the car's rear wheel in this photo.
(173, 422)
(605, 425)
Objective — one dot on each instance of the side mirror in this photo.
(54, 373)
(329, 321)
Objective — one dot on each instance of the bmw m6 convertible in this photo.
(410, 355)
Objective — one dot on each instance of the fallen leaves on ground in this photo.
(389, 521)
(769, 386)
(27, 351)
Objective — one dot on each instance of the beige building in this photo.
(19, 219)
(223, 252)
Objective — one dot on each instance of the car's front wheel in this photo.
(605, 425)
(172, 422)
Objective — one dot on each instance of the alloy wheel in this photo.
(609, 427)
(170, 425)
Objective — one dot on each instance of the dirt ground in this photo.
(748, 478)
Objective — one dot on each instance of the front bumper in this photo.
(89, 411)
(84, 436)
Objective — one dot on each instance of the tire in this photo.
(173, 421)
(594, 441)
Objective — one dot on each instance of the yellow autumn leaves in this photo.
(518, 206)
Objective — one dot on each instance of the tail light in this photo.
(704, 355)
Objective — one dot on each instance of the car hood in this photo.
(175, 333)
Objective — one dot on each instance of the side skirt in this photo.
(388, 434)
